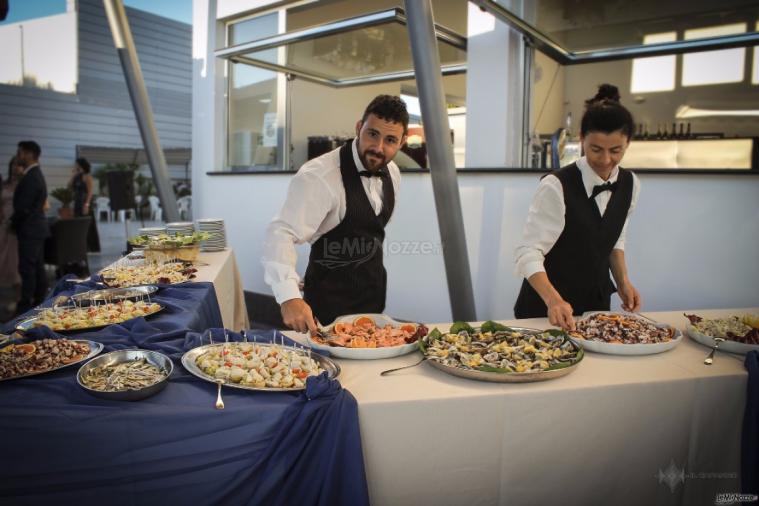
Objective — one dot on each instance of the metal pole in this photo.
(122, 38)
(437, 134)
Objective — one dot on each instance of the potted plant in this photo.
(65, 196)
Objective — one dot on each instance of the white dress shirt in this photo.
(545, 219)
(315, 204)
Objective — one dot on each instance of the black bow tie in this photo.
(607, 186)
(366, 173)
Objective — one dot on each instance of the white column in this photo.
(207, 100)
(494, 84)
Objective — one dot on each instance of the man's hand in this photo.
(630, 297)
(560, 314)
(298, 315)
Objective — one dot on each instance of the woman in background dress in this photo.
(9, 276)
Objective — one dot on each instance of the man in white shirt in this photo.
(575, 230)
(340, 203)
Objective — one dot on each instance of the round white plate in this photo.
(365, 353)
(726, 345)
(628, 349)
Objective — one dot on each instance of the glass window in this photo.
(254, 133)
(656, 73)
(714, 67)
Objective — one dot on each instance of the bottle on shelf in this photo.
(688, 135)
(681, 135)
(645, 132)
(673, 135)
(658, 131)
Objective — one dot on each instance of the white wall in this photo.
(692, 242)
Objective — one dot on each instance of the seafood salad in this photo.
(132, 375)
(621, 329)
(258, 365)
(742, 329)
(72, 318)
(39, 356)
(365, 333)
(148, 274)
(497, 348)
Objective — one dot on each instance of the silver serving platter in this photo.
(511, 377)
(114, 294)
(95, 348)
(189, 358)
(28, 324)
(116, 357)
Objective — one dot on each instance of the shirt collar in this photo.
(590, 178)
(356, 158)
(30, 167)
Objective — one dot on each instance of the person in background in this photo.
(340, 203)
(575, 230)
(9, 276)
(30, 225)
(81, 183)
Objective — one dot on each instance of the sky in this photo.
(180, 10)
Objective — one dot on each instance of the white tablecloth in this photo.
(220, 268)
(657, 429)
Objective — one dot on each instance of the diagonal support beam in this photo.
(138, 92)
(445, 186)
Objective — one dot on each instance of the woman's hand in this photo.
(630, 297)
(560, 314)
(86, 208)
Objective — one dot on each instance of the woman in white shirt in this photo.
(575, 230)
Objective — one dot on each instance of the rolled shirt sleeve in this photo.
(545, 222)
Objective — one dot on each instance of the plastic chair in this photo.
(122, 214)
(103, 205)
(184, 205)
(156, 213)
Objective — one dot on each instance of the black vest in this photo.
(345, 274)
(578, 264)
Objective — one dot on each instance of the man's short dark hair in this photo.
(389, 108)
(30, 147)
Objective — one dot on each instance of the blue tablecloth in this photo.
(62, 445)
(750, 437)
(187, 306)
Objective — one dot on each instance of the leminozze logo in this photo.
(350, 251)
(734, 498)
(672, 476)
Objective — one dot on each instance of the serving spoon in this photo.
(385, 373)
(709, 360)
(219, 401)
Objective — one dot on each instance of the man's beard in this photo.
(378, 161)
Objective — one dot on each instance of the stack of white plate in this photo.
(152, 231)
(215, 227)
(180, 227)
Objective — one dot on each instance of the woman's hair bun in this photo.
(605, 92)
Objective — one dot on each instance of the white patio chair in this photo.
(184, 205)
(103, 205)
(156, 213)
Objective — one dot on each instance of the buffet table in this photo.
(656, 429)
(220, 268)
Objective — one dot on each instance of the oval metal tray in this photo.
(114, 294)
(28, 324)
(189, 358)
(511, 377)
(95, 348)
